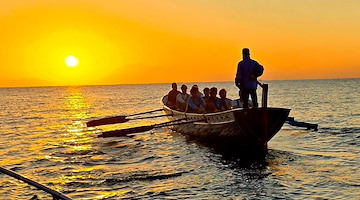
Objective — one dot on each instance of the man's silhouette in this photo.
(246, 78)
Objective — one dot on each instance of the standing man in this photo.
(246, 78)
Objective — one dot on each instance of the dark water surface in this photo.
(44, 138)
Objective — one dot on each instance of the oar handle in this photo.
(118, 119)
(169, 122)
(180, 123)
(151, 116)
(124, 132)
(151, 111)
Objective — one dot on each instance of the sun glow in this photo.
(71, 61)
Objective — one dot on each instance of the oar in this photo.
(124, 132)
(54, 194)
(118, 119)
(308, 126)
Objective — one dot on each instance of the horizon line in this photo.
(159, 83)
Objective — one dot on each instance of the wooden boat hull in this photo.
(240, 129)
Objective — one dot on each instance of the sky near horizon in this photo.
(162, 41)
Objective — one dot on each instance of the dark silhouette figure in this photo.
(172, 96)
(206, 94)
(182, 98)
(196, 103)
(246, 78)
(213, 103)
(225, 102)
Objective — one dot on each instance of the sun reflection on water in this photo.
(78, 138)
(75, 103)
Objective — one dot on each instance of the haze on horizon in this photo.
(158, 41)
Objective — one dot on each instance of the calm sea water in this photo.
(43, 137)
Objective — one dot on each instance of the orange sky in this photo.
(157, 41)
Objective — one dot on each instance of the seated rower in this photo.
(213, 104)
(197, 87)
(238, 103)
(195, 103)
(206, 94)
(171, 102)
(225, 102)
(181, 99)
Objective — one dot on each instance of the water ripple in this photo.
(45, 139)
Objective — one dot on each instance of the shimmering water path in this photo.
(44, 138)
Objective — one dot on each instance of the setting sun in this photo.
(112, 42)
(71, 61)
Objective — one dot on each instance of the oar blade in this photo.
(124, 132)
(107, 120)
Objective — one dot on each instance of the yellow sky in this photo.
(157, 41)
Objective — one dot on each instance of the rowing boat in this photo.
(235, 129)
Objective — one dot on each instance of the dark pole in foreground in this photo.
(264, 100)
(56, 195)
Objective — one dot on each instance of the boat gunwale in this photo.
(176, 112)
(165, 107)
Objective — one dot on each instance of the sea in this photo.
(44, 138)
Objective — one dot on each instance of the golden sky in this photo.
(161, 41)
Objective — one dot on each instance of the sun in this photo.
(71, 61)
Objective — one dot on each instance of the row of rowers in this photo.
(196, 102)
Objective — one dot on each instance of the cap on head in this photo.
(183, 87)
(245, 51)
